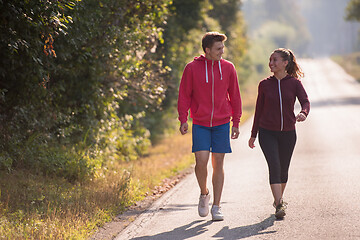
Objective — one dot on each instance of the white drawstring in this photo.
(220, 71)
(207, 78)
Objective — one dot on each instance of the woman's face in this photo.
(276, 63)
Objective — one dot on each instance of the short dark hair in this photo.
(210, 37)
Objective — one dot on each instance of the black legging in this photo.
(278, 148)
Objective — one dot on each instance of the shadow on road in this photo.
(183, 232)
(198, 227)
(246, 231)
(177, 207)
(336, 102)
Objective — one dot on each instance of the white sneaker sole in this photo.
(217, 218)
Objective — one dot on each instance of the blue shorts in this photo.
(213, 139)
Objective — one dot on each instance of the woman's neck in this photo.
(280, 75)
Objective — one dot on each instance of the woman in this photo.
(275, 120)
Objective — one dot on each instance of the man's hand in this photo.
(184, 128)
(234, 133)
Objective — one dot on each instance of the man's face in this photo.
(215, 52)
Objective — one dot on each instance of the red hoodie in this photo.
(275, 104)
(210, 89)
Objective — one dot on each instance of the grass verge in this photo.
(40, 207)
(351, 64)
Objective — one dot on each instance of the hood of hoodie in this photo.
(205, 60)
(285, 78)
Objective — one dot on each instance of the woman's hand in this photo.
(301, 117)
(251, 142)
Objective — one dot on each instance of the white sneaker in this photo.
(203, 207)
(216, 213)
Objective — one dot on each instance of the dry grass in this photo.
(38, 207)
(351, 64)
(248, 96)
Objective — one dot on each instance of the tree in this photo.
(70, 82)
(353, 10)
(27, 30)
(285, 15)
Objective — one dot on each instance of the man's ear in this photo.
(207, 50)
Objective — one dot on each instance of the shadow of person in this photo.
(227, 233)
(195, 228)
(180, 233)
(339, 101)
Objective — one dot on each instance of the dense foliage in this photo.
(84, 83)
(73, 89)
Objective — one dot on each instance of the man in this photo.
(209, 88)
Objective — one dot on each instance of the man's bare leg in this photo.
(202, 159)
(218, 176)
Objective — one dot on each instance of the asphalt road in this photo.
(323, 191)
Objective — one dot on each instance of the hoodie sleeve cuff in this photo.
(253, 134)
(182, 120)
(304, 112)
(236, 124)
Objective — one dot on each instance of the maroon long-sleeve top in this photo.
(275, 104)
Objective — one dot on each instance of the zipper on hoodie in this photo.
(281, 109)
(212, 93)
